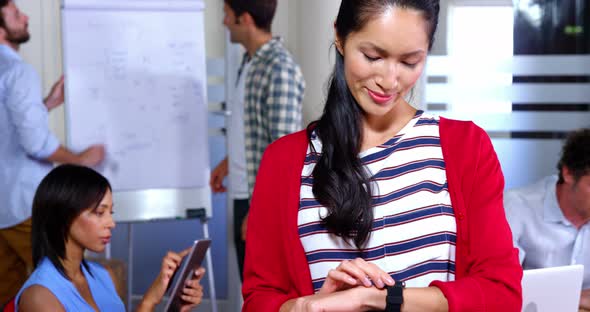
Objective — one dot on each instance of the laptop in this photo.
(552, 289)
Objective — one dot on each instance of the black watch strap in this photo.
(395, 297)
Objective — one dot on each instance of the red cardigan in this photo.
(488, 272)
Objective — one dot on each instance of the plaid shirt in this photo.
(273, 96)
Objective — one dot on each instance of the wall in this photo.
(296, 21)
(43, 51)
(316, 51)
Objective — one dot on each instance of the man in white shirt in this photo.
(27, 148)
(234, 164)
(549, 219)
(270, 93)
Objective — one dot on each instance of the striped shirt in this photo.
(273, 101)
(414, 230)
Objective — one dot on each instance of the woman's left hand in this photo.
(192, 292)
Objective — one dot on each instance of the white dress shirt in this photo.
(25, 138)
(236, 153)
(542, 234)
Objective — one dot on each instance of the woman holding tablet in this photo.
(72, 212)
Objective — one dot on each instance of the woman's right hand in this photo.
(155, 293)
(352, 273)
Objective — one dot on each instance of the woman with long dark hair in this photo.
(378, 206)
(72, 212)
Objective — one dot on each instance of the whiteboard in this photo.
(136, 82)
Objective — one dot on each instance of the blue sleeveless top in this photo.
(101, 287)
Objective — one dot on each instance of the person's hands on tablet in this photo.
(192, 292)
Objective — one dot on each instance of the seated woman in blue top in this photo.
(72, 212)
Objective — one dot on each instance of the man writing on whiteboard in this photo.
(272, 97)
(27, 148)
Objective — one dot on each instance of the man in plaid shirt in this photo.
(273, 94)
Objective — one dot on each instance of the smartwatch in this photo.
(395, 297)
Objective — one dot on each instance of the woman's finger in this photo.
(169, 263)
(184, 252)
(353, 269)
(191, 299)
(199, 273)
(189, 307)
(378, 277)
(195, 292)
(343, 277)
(176, 258)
